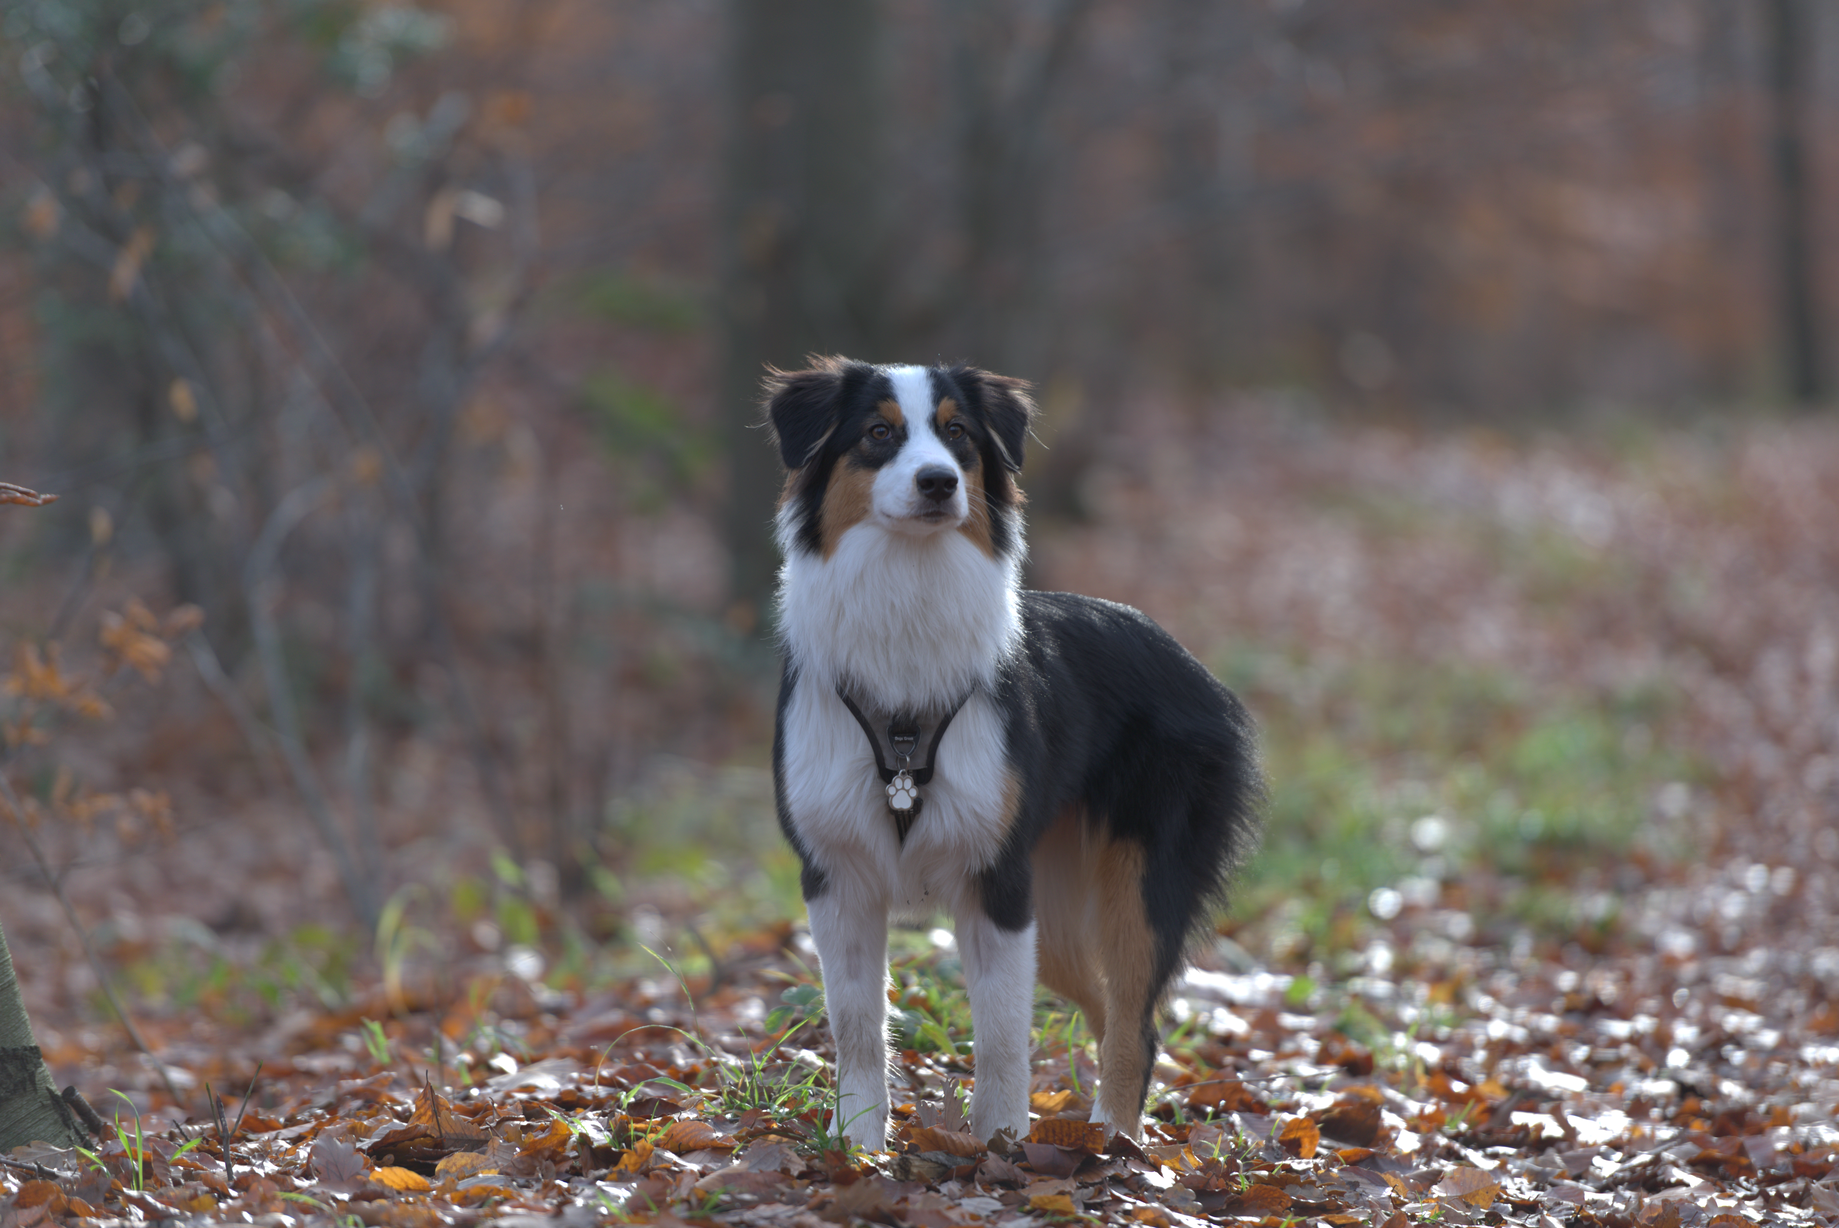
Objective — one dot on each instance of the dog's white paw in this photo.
(999, 1113)
(864, 1125)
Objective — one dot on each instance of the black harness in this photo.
(903, 781)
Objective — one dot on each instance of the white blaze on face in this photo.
(897, 499)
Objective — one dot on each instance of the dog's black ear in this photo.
(1007, 410)
(803, 406)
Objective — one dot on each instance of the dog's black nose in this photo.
(936, 483)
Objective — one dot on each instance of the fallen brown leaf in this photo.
(1259, 1200)
(1299, 1136)
(691, 1134)
(1053, 1161)
(1057, 1204)
(951, 1142)
(1071, 1133)
(335, 1160)
(1470, 1185)
(1353, 1119)
(401, 1179)
(462, 1164)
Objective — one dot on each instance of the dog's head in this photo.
(910, 450)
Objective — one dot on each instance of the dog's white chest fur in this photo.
(837, 799)
(908, 624)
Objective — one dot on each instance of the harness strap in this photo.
(920, 774)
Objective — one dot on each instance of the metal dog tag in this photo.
(903, 794)
(903, 790)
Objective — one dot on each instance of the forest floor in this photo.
(1545, 928)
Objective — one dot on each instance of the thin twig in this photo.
(91, 1120)
(225, 1131)
(37, 1169)
(260, 737)
(10, 493)
(89, 953)
(223, 1135)
(248, 1094)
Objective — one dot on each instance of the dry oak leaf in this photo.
(998, 1170)
(436, 1116)
(198, 1203)
(951, 1142)
(398, 1215)
(1068, 1132)
(41, 1194)
(1057, 1203)
(551, 1144)
(1470, 1185)
(872, 1199)
(691, 1134)
(402, 1180)
(1225, 1095)
(463, 1164)
(482, 1187)
(1178, 1156)
(772, 1155)
(24, 1217)
(927, 1167)
(1052, 1161)
(333, 1159)
(1656, 1213)
(633, 1162)
(1257, 1200)
(737, 1178)
(1300, 1137)
(1352, 1119)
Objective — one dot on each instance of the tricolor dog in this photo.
(1054, 771)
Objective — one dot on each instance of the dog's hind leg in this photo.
(999, 968)
(1127, 950)
(852, 945)
(1065, 908)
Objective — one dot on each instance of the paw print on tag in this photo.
(903, 794)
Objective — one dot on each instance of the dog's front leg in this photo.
(999, 973)
(852, 945)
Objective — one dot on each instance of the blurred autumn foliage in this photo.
(1417, 364)
(416, 345)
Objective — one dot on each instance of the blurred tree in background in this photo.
(416, 343)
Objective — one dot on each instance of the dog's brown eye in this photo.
(954, 429)
(879, 431)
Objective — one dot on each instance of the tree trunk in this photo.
(1003, 85)
(803, 234)
(1797, 302)
(1206, 138)
(30, 1108)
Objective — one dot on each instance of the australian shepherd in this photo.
(1054, 771)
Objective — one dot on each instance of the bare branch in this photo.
(10, 493)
